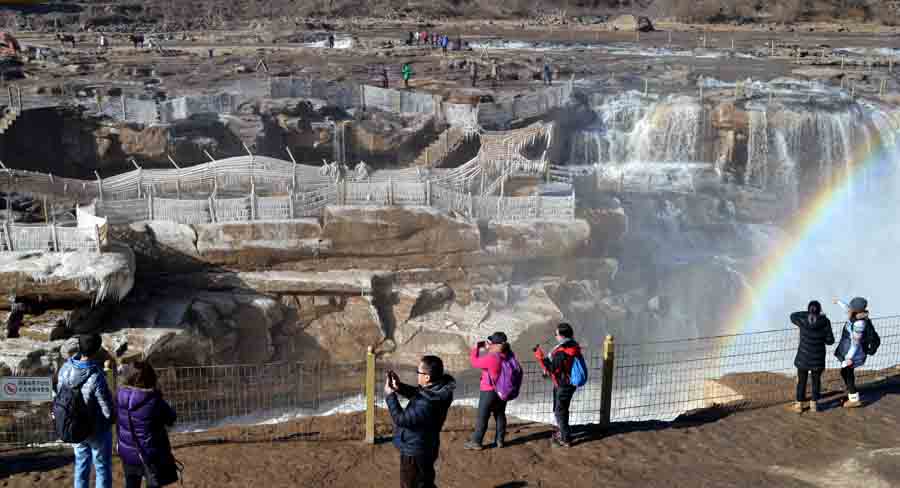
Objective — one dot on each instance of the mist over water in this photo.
(704, 255)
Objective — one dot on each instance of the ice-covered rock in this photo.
(71, 276)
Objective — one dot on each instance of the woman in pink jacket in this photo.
(489, 403)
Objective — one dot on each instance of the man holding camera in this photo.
(559, 366)
(417, 429)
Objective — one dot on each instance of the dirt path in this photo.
(764, 447)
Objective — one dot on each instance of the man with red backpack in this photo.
(565, 367)
(501, 379)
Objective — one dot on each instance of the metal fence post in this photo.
(370, 396)
(609, 353)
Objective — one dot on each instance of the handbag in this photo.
(157, 475)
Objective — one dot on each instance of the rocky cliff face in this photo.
(403, 280)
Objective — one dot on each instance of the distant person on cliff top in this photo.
(501, 379)
(815, 334)
(384, 77)
(409, 41)
(858, 340)
(330, 41)
(566, 368)
(548, 74)
(406, 71)
(473, 71)
(445, 41)
(417, 428)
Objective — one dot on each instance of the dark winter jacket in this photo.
(559, 364)
(814, 336)
(150, 415)
(417, 429)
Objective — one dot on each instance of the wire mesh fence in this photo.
(324, 401)
(662, 380)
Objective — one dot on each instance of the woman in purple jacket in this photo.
(142, 419)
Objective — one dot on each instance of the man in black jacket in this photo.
(417, 429)
(815, 334)
(558, 367)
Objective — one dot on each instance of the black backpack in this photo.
(72, 416)
(871, 339)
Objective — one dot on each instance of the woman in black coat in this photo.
(815, 334)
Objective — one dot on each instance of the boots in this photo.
(853, 401)
(797, 407)
(814, 406)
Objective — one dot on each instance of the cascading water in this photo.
(634, 129)
(770, 160)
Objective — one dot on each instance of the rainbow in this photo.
(811, 222)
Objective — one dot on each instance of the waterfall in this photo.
(756, 172)
(631, 129)
(669, 133)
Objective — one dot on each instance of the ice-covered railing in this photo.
(248, 188)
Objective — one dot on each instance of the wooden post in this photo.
(99, 186)
(294, 174)
(291, 203)
(573, 202)
(46, 212)
(471, 206)
(6, 234)
(252, 201)
(390, 192)
(212, 209)
(140, 178)
(427, 157)
(842, 62)
(150, 205)
(606, 386)
(370, 396)
(124, 109)
(9, 93)
(212, 169)
(97, 236)
(428, 192)
(19, 97)
(670, 38)
(55, 237)
(177, 178)
(732, 44)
